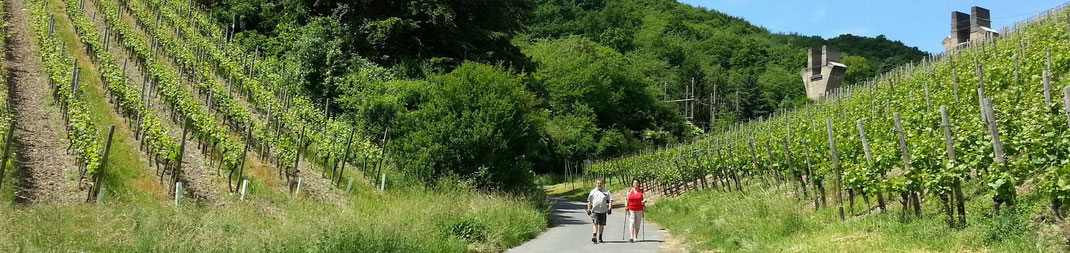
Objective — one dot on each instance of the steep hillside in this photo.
(985, 126)
(599, 73)
(137, 127)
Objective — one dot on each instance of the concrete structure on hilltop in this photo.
(823, 72)
(976, 26)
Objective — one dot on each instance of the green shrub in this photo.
(467, 229)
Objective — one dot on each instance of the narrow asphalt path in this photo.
(571, 232)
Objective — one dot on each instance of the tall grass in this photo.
(405, 220)
(775, 221)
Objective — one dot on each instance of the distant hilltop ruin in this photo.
(969, 27)
(823, 72)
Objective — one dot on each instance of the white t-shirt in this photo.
(599, 200)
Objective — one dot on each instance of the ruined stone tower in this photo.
(969, 27)
(823, 71)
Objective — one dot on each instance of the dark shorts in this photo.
(598, 219)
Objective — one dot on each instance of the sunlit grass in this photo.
(406, 220)
(775, 221)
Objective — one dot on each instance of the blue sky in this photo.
(916, 23)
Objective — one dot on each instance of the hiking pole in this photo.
(643, 231)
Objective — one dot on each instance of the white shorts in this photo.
(635, 218)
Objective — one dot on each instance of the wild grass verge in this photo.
(437, 219)
(776, 221)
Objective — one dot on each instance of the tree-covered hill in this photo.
(714, 48)
(587, 78)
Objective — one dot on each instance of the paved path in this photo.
(571, 232)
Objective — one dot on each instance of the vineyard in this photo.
(181, 69)
(388, 126)
(995, 115)
(149, 108)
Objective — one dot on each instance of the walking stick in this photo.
(625, 225)
(643, 231)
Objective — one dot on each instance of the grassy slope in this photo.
(774, 221)
(406, 220)
(126, 173)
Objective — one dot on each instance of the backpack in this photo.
(599, 202)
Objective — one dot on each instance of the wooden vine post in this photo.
(708, 150)
(713, 108)
(835, 166)
(981, 104)
(957, 198)
(928, 100)
(1016, 79)
(993, 128)
(789, 168)
(98, 178)
(997, 152)
(1047, 89)
(721, 168)
(736, 172)
(754, 158)
(869, 161)
(913, 195)
(240, 169)
(1066, 104)
(181, 154)
(819, 191)
(7, 147)
(954, 81)
(980, 88)
(769, 166)
(345, 156)
(1056, 203)
(1047, 79)
(382, 153)
(297, 160)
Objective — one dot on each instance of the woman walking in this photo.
(635, 209)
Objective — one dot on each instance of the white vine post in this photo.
(297, 192)
(100, 196)
(178, 193)
(349, 186)
(244, 184)
(382, 186)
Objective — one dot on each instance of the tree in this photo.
(781, 88)
(858, 69)
(391, 32)
(580, 78)
(477, 122)
(572, 135)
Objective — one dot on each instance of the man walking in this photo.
(598, 207)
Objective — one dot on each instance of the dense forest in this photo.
(489, 91)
